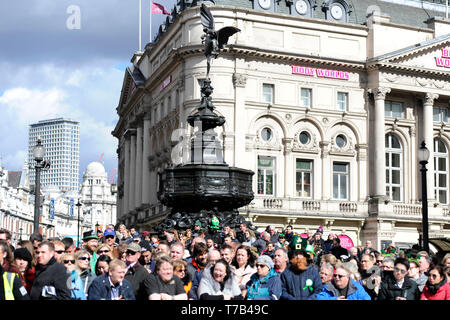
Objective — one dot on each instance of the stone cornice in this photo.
(409, 69)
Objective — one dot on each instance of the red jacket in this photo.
(443, 293)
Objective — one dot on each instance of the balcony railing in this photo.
(408, 210)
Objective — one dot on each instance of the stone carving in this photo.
(239, 80)
(379, 93)
(430, 97)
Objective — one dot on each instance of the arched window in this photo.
(394, 188)
(440, 171)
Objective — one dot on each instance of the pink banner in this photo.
(346, 242)
(159, 8)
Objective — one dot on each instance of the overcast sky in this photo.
(53, 64)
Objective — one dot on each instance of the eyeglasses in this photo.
(181, 270)
(433, 276)
(109, 237)
(131, 253)
(84, 258)
(339, 276)
(260, 265)
(69, 261)
(400, 270)
(379, 261)
(103, 251)
(59, 251)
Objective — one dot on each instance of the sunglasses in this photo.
(84, 258)
(103, 251)
(260, 265)
(433, 276)
(379, 261)
(59, 251)
(400, 270)
(181, 270)
(131, 253)
(339, 276)
(109, 237)
(69, 261)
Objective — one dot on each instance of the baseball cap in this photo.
(109, 232)
(91, 234)
(265, 259)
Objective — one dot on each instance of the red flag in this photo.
(159, 8)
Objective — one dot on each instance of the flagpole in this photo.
(446, 8)
(151, 11)
(140, 24)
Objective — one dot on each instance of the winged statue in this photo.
(213, 39)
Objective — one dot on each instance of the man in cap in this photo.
(110, 239)
(197, 228)
(90, 243)
(135, 272)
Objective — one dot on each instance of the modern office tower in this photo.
(61, 140)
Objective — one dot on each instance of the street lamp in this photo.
(78, 225)
(38, 154)
(423, 156)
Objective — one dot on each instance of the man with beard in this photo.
(199, 259)
(90, 243)
(300, 280)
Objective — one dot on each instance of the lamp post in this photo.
(78, 219)
(423, 157)
(38, 154)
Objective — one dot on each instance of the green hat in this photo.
(214, 223)
(310, 249)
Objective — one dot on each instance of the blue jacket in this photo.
(76, 289)
(355, 292)
(300, 285)
(195, 283)
(268, 288)
(100, 289)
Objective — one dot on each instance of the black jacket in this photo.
(54, 276)
(390, 291)
(136, 276)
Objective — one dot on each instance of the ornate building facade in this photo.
(328, 107)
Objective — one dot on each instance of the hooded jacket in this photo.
(50, 282)
(355, 292)
(267, 288)
(390, 291)
(76, 289)
(300, 285)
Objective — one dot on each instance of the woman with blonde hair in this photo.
(76, 289)
(105, 249)
(83, 267)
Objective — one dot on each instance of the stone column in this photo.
(132, 190)
(126, 178)
(240, 125)
(138, 173)
(145, 161)
(379, 178)
(428, 138)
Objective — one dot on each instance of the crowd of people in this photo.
(215, 264)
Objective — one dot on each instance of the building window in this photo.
(440, 171)
(266, 134)
(306, 97)
(266, 175)
(393, 168)
(440, 114)
(340, 180)
(304, 137)
(393, 109)
(341, 141)
(342, 101)
(303, 183)
(268, 90)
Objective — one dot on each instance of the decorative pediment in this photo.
(431, 56)
(133, 78)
